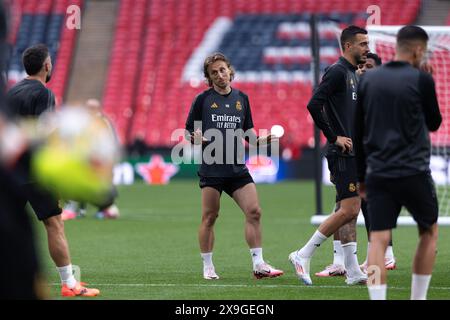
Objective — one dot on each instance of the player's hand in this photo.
(197, 137)
(362, 190)
(360, 70)
(344, 143)
(427, 67)
(268, 139)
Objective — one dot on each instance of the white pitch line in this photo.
(300, 286)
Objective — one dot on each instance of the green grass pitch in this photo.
(151, 252)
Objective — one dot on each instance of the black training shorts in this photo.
(44, 204)
(227, 184)
(343, 175)
(385, 198)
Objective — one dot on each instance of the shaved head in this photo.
(410, 36)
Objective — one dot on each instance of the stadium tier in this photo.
(163, 44)
(15, 19)
(159, 45)
(42, 21)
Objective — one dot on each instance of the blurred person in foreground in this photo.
(20, 273)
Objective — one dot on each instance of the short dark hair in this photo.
(375, 58)
(349, 33)
(411, 33)
(33, 58)
(213, 58)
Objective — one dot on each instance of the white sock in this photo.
(377, 292)
(389, 254)
(66, 275)
(351, 259)
(338, 253)
(257, 256)
(207, 259)
(316, 240)
(419, 286)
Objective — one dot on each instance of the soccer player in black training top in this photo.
(222, 108)
(19, 268)
(332, 108)
(30, 98)
(374, 61)
(397, 107)
(337, 267)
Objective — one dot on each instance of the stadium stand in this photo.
(42, 21)
(267, 41)
(15, 19)
(148, 97)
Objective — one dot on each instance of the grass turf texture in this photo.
(151, 251)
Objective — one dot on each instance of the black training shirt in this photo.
(397, 107)
(333, 103)
(225, 114)
(29, 98)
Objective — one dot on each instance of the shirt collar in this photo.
(347, 64)
(398, 63)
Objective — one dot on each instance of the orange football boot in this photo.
(79, 291)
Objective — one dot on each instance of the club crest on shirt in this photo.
(214, 106)
(352, 187)
(238, 106)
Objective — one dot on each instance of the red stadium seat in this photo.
(157, 37)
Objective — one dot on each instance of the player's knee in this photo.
(254, 213)
(430, 234)
(434, 235)
(209, 217)
(380, 237)
(54, 224)
(350, 212)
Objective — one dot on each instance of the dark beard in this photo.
(359, 60)
(48, 78)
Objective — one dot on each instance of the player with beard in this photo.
(30, 98)
(219, 108)
(333, 107)
(337, 267)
